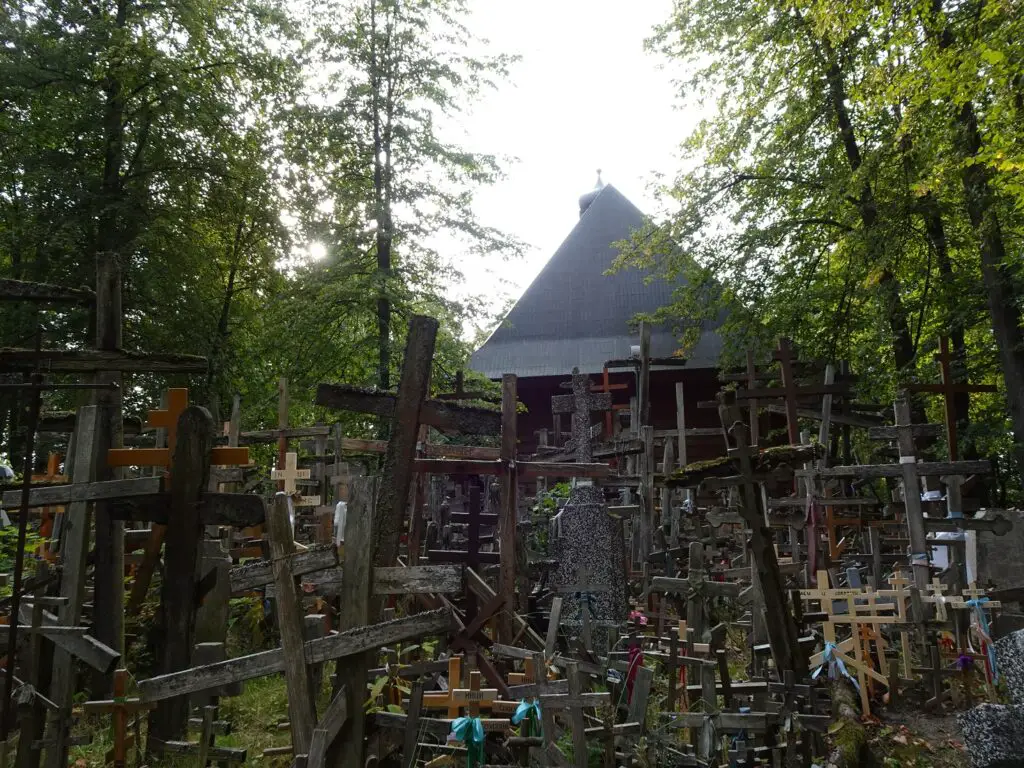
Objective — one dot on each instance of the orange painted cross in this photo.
(52, 475)
(177, 402)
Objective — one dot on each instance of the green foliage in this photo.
(210, 145)
(823, 194)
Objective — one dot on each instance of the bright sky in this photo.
(585, 96)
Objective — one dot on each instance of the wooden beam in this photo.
(406, 416)
(356, 596)
(301, 700)
(508, 513)
(23, 290)
(189, 478)
(73, 493)
(87, 360)
(317, 651)
(470, 420)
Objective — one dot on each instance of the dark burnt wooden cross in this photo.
(790, 391)
(949, 389)
(782, 631)
(580, 403)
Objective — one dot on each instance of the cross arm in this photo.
(441, 414)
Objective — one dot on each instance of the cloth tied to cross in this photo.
(636, 660)
(981, 619)
(470, 731)
(530, 712)
(835, 665)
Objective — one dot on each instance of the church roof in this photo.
(574, 316)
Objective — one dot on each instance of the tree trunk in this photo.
(999, 290)
(1001, 294)
(221, 335)
(382, 212)
(889, 286)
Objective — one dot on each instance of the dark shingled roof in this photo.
(574, 316)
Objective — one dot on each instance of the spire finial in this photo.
(600, 184)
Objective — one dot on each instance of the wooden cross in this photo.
(289, 475)
(121, 706)
(583, 585)
(580, 403)
(790, 391)
(948, 388)
(936, 595)
(167, 418)
(446, 699)
(575, 703)
(49, 525)
(607, 387)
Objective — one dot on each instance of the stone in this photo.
(994, 735)
(1010, 664)
(993, 559)
(590, 546)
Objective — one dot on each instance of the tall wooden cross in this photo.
(949, 389)
(790, 391)
(580, 403)
(607, 387)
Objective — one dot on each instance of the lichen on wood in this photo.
(766, 460)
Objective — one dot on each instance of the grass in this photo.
(254, 718)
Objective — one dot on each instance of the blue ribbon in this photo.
(471, 731)
(835, 664)
(529, 711)
(978, 604)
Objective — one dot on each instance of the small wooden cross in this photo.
(936, 595)
(289, 475)
(121, 706)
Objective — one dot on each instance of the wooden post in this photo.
(644, 385)
(282, 424)
(74, 549)
(356, 588)
(507, 520)
(398, 469)
(301, 702)
(190, 472)
(911, 492)
(108, 573)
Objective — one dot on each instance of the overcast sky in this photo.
(584, 96)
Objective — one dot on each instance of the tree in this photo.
(395, 189)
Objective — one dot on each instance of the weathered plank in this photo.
(406, 416)
(63, 495)
(327, 729)
(86, 360)
(469, 420)
(23, 290)
(301, 702)
(74, 549)
(259, 573)
(317, 651)
(238, 510)
(189, 478)
(397, 580)
(352, 672)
